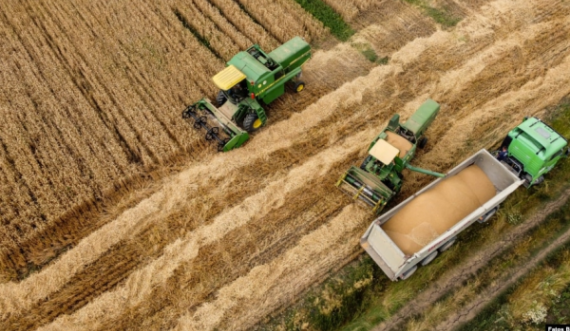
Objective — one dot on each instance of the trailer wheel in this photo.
(299, 86)
(408, 273)
(251, 122)
(428, 259)
(447, 245)
(487, 216)
(423, 142)
(221, 98)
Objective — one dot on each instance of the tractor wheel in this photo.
(299, 86)
(221, 98)
(251, 122)
(423, 142)
(528, 178)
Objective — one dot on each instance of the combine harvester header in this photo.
(251, 78)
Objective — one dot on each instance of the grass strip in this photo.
(330, 18)
(502, 270)
(195, 33)
(527, 304)
(440, 15)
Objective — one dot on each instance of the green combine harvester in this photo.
(532, 149)
(379, 177)
(251, 78)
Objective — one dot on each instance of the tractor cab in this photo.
(533, 148)
(380, 175)
(232, 83)
(383, 159)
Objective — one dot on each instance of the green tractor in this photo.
(379, 177)
(250, 79)
(532, 149)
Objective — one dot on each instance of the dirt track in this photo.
(470, 266)
(476, 306)
(231, 239)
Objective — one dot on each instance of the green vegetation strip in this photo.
(330, 18)
(440, 15)
(560, 312)
(527, 304)
(369, 53)
(360, 296)
(198, 36)
(503, 270)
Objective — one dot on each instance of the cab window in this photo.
(557, 154)
(238, 92)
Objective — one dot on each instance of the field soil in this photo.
(219, 241)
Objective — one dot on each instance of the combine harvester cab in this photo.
(379, 177)
(533, 149)
(414, 232)
(250, 79)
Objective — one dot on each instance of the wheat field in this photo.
(117, 215)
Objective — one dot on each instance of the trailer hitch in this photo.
(212, 133)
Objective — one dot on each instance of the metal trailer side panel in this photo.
(467, 221)
(386, 253)
(505, 183)
(378, 241)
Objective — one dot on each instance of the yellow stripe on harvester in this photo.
(228, 78)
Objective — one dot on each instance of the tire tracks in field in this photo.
(128, 228)
(267, 287)
(197, 247)
(507, 100)
(387, 33)
(470, 266)
(390, 82)
(345, 68)
(554, 75)
(474, 308)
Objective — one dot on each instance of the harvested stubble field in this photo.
(116, 215)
